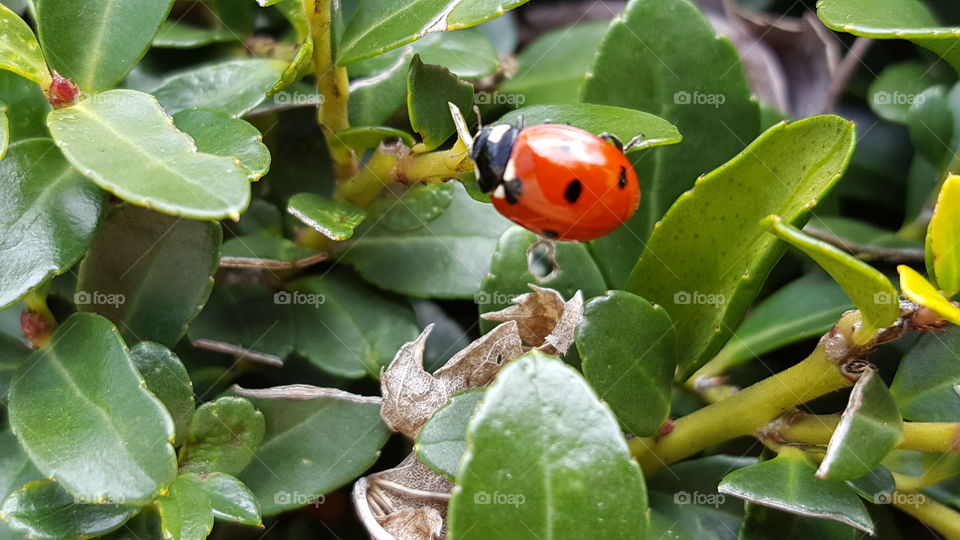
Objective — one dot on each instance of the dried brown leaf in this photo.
(543, 319)
(422, 523)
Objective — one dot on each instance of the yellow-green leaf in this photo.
(870, 290)
(19, 50)
(943, 238)
(917, 288)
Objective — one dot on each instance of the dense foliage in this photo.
(250, 288)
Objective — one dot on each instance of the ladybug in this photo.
(559, 181)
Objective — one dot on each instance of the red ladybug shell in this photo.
(565, 183)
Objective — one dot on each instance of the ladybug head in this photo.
(491, 152)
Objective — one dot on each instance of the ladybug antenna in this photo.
(519, 122)
(476, 112)
(461, 126)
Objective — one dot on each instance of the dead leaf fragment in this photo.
(411, 395)
(543, 319)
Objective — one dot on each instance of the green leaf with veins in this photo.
(125, 275)
(429, 88)
(223, 437)
(44, 510)
(169, 381)
(109, 135)
(925, 386)
(119, 446)
(185, 511)
(552, 455)
(230, 500)
(96, 46)
(223, 135)
(233, 87)
(19, 50)
(333, 218)
(639, 66)
(442, 442)
(705, 277)
(49, 214)
(628, 349)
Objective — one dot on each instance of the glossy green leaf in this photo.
(804, 308)
(179, 35)
(699, 476)
(222, 135)
(44, 510)
(788, 482)
(334, 219)
(766, 522)
(925, 387)
(48, 213)
(113, 133)
(83, 415)
(247, 320)
(923, 293)
(27, 107)
(126, 274)
(234, 87)
(185, 512)
(229, 498)
(618, 121)
(223, 437)
(19, 50)
(144, 526)
(870, 290)
(317, 440)
(944, 237)
(628, 349)
(442, 442)
(15, 471)
(898, 88)
(167, 378)
(545, 455)
(573, 270)
(553, 68)
(454, 250)
(414, 208)
(4, 130)
(705, 277)
(370, 137)
(299, 67)
(429, 88)
(931, 124)
(347, 328)
(96, 48)
(378, 25)
(892, 19)
(640, 65)
(869, 429)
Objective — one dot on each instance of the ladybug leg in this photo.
(612, 139)
(519, 122)
(640, 141)
(461, 126)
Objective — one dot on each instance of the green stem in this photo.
(942, 469)
(370, 181)
(815, 429)
(743, 413)
(332, 83)
(939, 517)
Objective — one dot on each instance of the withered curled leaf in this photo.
(544, 320)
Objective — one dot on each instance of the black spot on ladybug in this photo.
(573, 191)
(622, 182)
(553, 235)
(512, 190)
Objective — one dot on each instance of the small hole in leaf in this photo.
(542, 260)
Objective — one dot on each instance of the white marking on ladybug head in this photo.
(497, 132)
(500, 192)
(509, 172)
